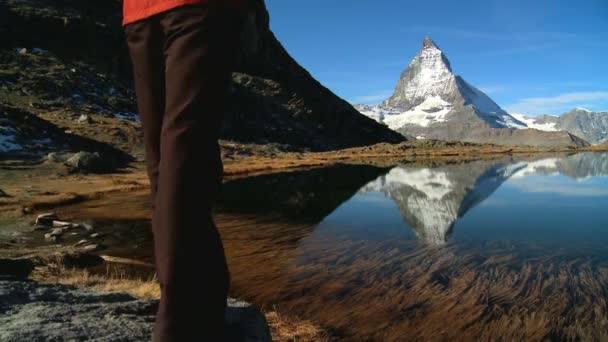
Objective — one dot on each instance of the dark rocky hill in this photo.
(274, 99)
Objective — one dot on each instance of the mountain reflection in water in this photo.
(430, 199)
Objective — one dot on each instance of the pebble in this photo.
(51, 238)
(95, 235)
(57, 232)
(91, 247)
(81, 242)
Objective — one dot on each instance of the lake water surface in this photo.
(514, 248)
(507, 248)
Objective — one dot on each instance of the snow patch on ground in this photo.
(531, 123)
(7, 139)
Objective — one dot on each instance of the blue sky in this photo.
(530, 56)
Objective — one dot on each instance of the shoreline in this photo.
(57, 188)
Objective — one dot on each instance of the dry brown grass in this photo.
(284, 329)
(112, 281)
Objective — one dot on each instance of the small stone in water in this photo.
(81, 242)
(95, 235)
(46, 219)
(91, 247)
(51, 238)
(56, 232)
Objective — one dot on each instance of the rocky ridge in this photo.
(589, 125)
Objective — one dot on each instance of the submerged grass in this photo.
(393, 291)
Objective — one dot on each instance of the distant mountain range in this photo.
(589, 125)
(431, 102)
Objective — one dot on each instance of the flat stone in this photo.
(95, 235)
(90, 248)
(81, 242)
(87, 226)
(61, 224)
(57, 232)
(46, 219)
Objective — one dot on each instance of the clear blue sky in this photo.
(530, 56)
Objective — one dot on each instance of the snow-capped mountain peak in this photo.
(429, 94)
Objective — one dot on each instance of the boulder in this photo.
(90, 162)
(56, 157)
(33, 311)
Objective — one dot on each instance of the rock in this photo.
(41, 228)
(52, 238)
(85, 119)
(90, 248)
(65, 225)
(95, 235)
(46, 219)
(56, 157)
(57, 232)
(23, 51)
(89, 227)
(17, 268)
(33, 311)
(90, 162)
(245, 323)
(81, 242)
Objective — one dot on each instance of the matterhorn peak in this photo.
(428, 43)
(428, 74)
(429, 95)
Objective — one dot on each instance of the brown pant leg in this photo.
(145, 41)
(189, 253)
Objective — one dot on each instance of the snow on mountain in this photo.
(429, 94)
(586, 124)
(534, 122)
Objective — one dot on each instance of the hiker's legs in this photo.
(189, 254)
(145, 41)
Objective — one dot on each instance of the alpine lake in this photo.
(502, 249)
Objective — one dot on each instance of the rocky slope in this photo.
(589, 125)
(430, 101)
(75, 62)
